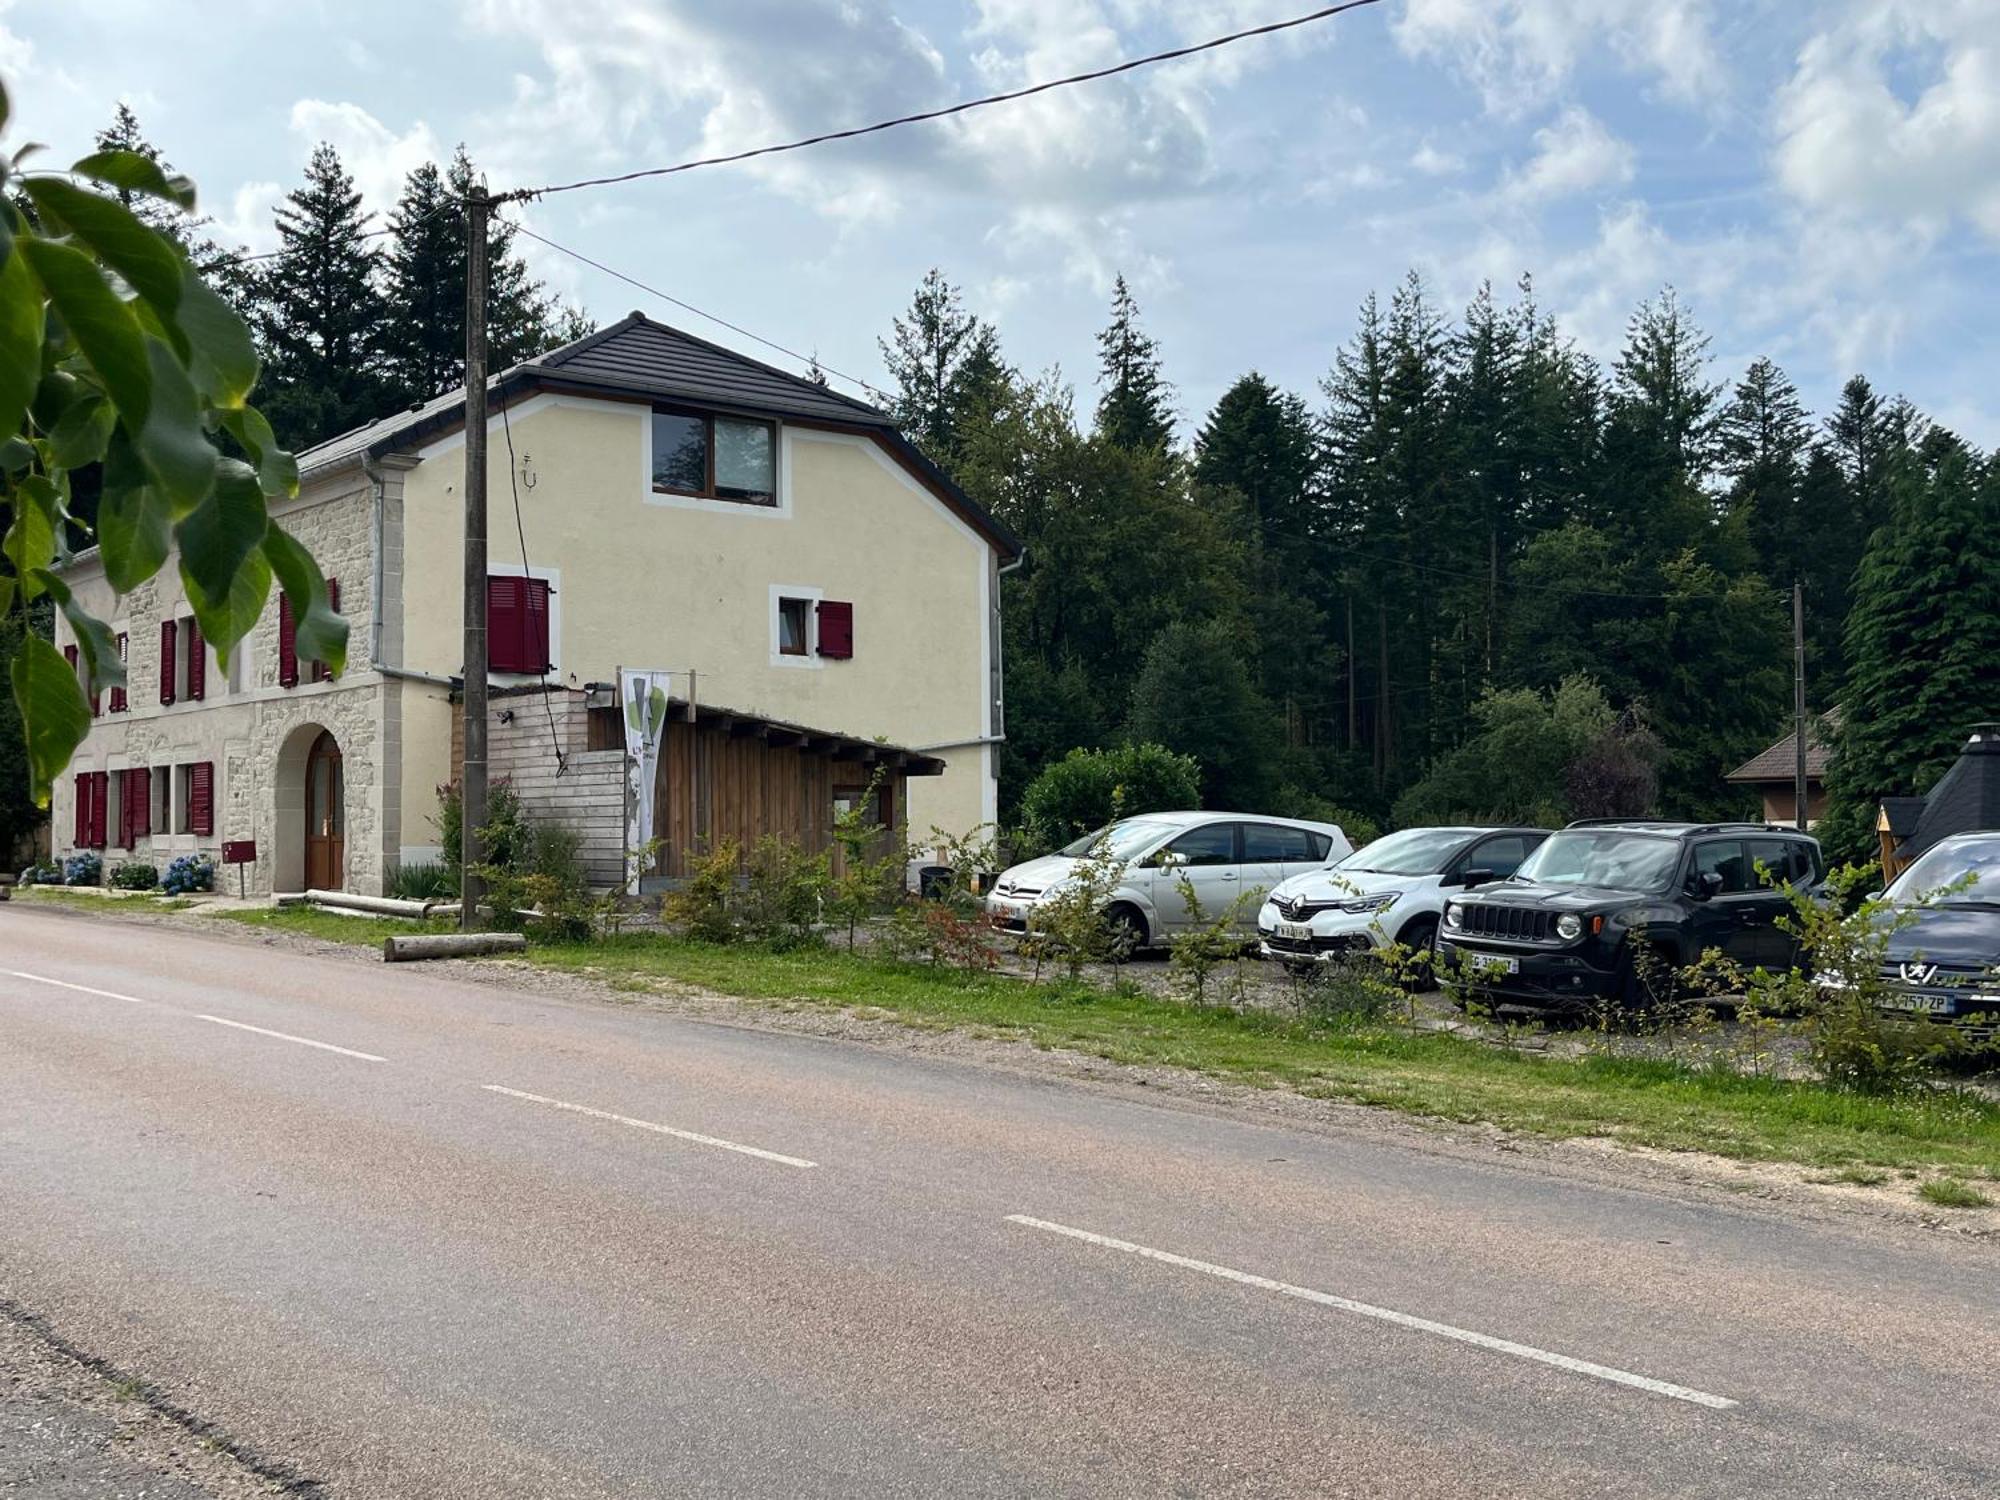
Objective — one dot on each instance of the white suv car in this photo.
(1390, 891)
(1221, 854)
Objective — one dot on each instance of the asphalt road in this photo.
(409, 1236)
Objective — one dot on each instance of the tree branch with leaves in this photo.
(118, 357)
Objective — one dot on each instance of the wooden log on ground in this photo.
(380, 906)
(397, 950)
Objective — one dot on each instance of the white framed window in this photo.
(795, 625)
(162, 816)
(713, 462)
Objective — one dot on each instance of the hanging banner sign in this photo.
(642, 695)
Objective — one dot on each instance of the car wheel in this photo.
(1126, 928)
(1419, 935)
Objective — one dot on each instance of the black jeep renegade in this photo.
(1562, 931)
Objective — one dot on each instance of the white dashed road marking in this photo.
(82, 989)
(286, 1036)
(1388, 1315)
(683, 1135)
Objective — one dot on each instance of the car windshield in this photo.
(1945, 868)
(1414, 851)
(1122, 840)
(1610, 858)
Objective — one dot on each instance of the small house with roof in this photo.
(1966, 799)
(817, 600)
(1772, 773)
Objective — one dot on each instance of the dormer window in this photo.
(715, 458)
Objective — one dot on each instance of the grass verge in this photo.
(332, 926)
(1652, 1102)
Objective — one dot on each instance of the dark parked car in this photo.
(1943, 958)
(1563, 932)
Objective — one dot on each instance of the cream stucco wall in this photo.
(645, 580)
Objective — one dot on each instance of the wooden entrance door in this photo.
(326, 817)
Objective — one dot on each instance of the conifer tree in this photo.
(321, 316)
(1136, 410)
(223, 269)
(946, 364)
(426, 288)
(1922, 639)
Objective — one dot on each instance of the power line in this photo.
(1324, 13)
(633, 281)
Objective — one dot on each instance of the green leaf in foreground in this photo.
(147, 261)
(54, 714)
(20, 339)
(223, 360)
(221, 533)
(133, 172)
(322, 634)
(99, 320)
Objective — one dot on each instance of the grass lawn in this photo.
(83, 898)
(335, 927)
(1638, 1101)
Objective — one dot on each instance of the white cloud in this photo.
(376, 156)
(1573, 154)
(1852, 147)
(1521, 52)
(1432, 162)
(248, 220)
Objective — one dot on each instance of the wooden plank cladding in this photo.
(724, 776)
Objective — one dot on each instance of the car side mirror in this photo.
(1707, 885)
(1471, 878)
(1167, 859)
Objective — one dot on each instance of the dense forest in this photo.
(1475, 573)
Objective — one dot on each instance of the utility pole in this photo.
(472, 791)
(1799, 704)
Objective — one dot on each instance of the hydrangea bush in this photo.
(189, 872)
(83, 868)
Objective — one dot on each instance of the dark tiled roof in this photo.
(637, 354)
(1778, 762)
(1902, 814)
(638, 357)
(1966, 798)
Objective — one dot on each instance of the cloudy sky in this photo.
(1819, 178)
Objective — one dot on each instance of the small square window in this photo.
(794, 627)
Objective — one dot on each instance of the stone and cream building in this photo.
(826, 598)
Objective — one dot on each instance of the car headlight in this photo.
(1370, 903)
(1569, 927)
(1454, 916)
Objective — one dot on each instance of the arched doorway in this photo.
(326, 816)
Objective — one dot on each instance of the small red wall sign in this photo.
(239, 852)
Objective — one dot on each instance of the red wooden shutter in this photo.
(320, 671)
(288, 644)
(505, 624)
(128, 821)
(82, 835)
(69, 655)
(100, 796)
(836, 629)
(168, 629)
(535, 624)
(119, 702)
(201, 797)
(197, 663)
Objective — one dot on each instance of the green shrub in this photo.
(783, 894)
(1088, 788)
(425, 880)
(135, 876)
(704, 906)
(85, 867)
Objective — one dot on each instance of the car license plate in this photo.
(1936, 1005)
(1298, 932)
(1487, 964)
